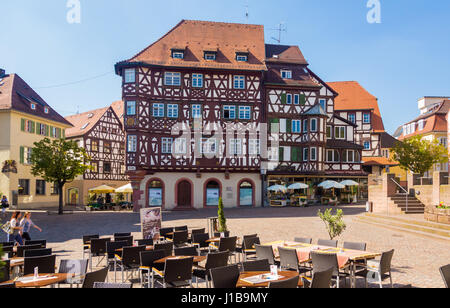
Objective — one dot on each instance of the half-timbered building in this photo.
(100, 132)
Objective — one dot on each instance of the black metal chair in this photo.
(289, 261)
(219, 234)
(190, 251)
(111, 250)
(148, 242)
(77, 267)
(177, 273)
(196, 231)
(167, 247)
(226, 244)
(378, 270)
(105, 285)
(303, 240)
(87, 242)
(45, 265)
(129, 260)
(355, 246)
(98, 250)
(265, 252)
(8, 250)
(291, 283)
(127, 239)
(240, 248)
(21, 249)
(125, 234)
(37, 252)
(180, 238)
(445, 273)
(213, 260)
(148, 259)
(43, 243)
(328, 243)
(181, 228)
(256, 266)
(199, 240)
(97, 276)
(320, 280)
(4, 271)
(164, 233)
(7, 244)
(225, 277)
(324, 261)
(249, 248)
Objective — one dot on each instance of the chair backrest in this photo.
(186, 251)
(91, 278)
(218, 234)
(178, 269)
(127, 239)
(228, 244)
(322, 279)
(385, 261)
(43, 243)
(198, 231)
(445, 273)
(4, 271)
(163, 231)
(88, 238)
(304, 240)
(288, 258)
(265, 252)
(9, 250)
(181, 228)
(46, 265)
(77, 267)
(328, 243)
(131, 256)
(180, 237)
(149, 257)
(21, 249)
(126, 234)
(148, 242)
(216, 259)
(105, 285)
(200, 239)
(7, 244)
(167, 247)
(249, 242)
(225, 277)
(291, 283)
(8, 285)
(355, 246)
(324, 261)
(112, 247)
(98, 246)
(256, 266)
(37, 252)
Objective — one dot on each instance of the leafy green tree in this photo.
(221, 216)
(58, 161)
(418, 155)
(334, 223)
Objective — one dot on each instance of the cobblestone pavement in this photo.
(416, 260)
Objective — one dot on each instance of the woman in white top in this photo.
(15, 229)
(26, 223)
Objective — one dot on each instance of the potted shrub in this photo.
(334, 223)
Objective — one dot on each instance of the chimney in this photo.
(2, 73)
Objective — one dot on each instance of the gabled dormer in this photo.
(210, 54)
(178, 52)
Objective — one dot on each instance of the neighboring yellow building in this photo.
(25, 118)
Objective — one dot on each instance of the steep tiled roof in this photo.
(284, 54)
(196, 37)
(387, 141)
(16, 94)
(84, 122)
(352, 96)
(378, 161)
(118, 108)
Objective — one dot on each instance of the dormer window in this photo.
(242, 58)
(178, 54)
(286, 74)
(33, 106)
(210, 56)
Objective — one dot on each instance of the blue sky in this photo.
(400, 60)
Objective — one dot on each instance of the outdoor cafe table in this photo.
(197, 259)
(345, 256)
(283, 275)
(44, 280)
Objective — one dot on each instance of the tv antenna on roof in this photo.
(247, 14)
(281, 28)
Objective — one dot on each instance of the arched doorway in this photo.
(73, 195)
(184, 194)
(155, 193)
(212, 193)
(246, 194)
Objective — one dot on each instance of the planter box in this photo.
(437, 215)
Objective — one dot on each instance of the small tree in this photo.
(418, 155)
(222, 219)
(58, 161)
(334, 223)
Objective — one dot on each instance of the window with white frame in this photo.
(208, 146)
(339, 132)
(46, 110)
(166, 145)
(313, 125)
(180, 146)
(296, 99)
(305, 126)
(197, 80)
(366, 118)
(352, 117)
(421, 124)
(333, 156)
(178, 55)
(33, 106)
(158, 110)
(172, 79)
(196, 111)
(349, 156)
(413, 127)
(244, 112)
(130, 75)
(286, 74)
(132, 143)
(172, 111)
(329, 131)
(443, 142)
(296, 126)
(273, 154)
(241, 58)
(366, 145)
(323, 103)
(289, 99)
(239, 82)
(313, 156)
(235, 147)
(305, 154)
(131, 108)
(229, 112)
(211, 56)
(254, 147)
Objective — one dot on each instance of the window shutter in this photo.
(283, 98)
(302, 99)
(51, 131)
(33, 127)
(288, 126)
(22, 125)
(64, 134)
(46, 130)
(38, 128)
(22, 150)
(59, 132)
(274, 121)
(294, 154)
(281, 154)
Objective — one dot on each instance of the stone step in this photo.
(412, 221)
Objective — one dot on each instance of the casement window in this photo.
(197, 80)
(172, 79)
(352, 117)
(158, 110)
(132, 143)
(208, 146)
(94, 167)
(367, 145)
(55, 132)
(296, 99)
(129, 75)
(412, 128)
(273, 154)
(254, 147)
(305, 126)
(443, 142)
(177, 54)
(106, 167)
(289, 99)
(239, 82)
(421, 124)
(244, 112)
(210, 56)
(196, 111)
(241, 58)
(229, 112)
(131, 108)
(323, 104)
(329, 132)
(33, 106)
(25, 155)
(235, 147)
(313, 125)
(24, 187)
(40, 188)
(366, 118)
(107, 147)
(180, 146)
(339, 132)
(42, 129)
(46, 110)
(166, 145)
(333, 156)
(286, 74)
(296, 126)
(27, 126)
(54, 189)
(349, 156)
(305, 154)
(172, 111)
(313, 156)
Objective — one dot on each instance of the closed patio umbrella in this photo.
(298, 186)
